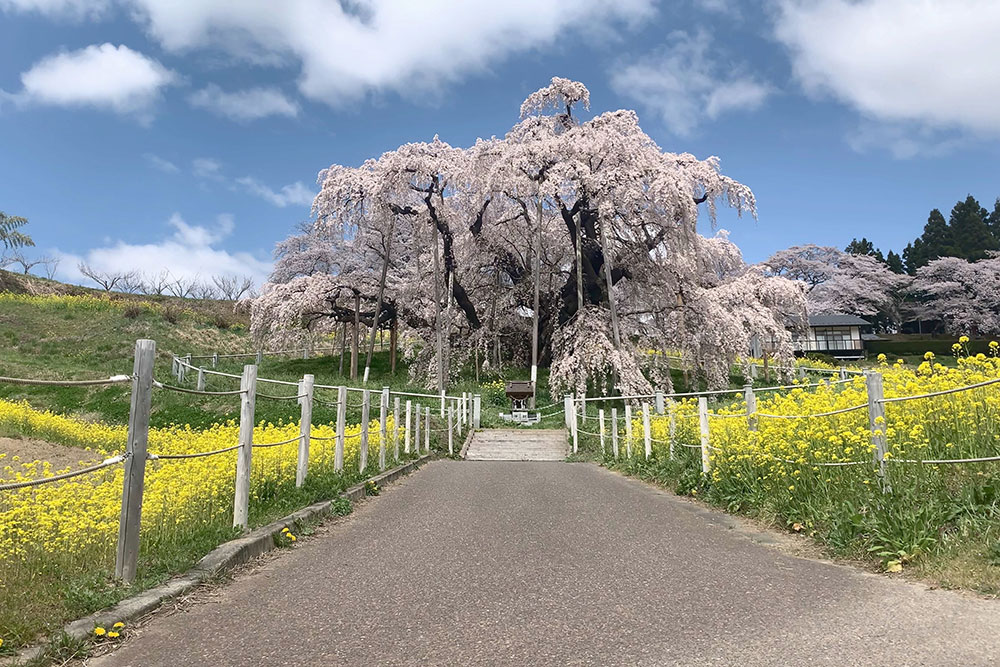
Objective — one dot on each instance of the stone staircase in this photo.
(518, 445)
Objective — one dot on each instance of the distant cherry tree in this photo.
(964, 295)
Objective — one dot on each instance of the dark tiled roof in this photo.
(837, 321)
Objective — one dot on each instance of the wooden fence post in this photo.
(753, 371)
(600, 417)
(366, 406)
(406, 432)
(583, 409)
(876, 419)
(451, 421)
(843, 373)
(201, 379)
(305, 427)
(568, 410)
(751, 400)
(628, 430)
(248, 399)
(260, 357)
(127, 552)
(173, 365)
(383, 431)
(659, 402)
(575, 430)
(614, 432)
(181, 368)
(427, 431)
(442, 404)
(477, 406)
(338, 452)
(416, 426)
(672, 426)
(395, 430)
(647, 439)
(215, 359)
(706, 462)
(458, 421)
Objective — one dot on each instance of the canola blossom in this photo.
(70, 527)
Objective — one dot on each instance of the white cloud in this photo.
(206, 167)
(295, 194)
(930, 62)
(191, 251)
(347, 49)
(905, 140)
(101, 76)
(684, 85)
(71, 8)
(158, 162)
(244, 105)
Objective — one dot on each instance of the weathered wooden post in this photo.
(672, 426)
(706, 462)
(477, 406)
(366, 399)
(659, 402)
(442, 404)
(305, 427)
(416, 427)
(200, 386)
(383, 431)
(628, 430)
(427, 431)
(248, 399)
(338, 452)
(260, 357)
(646, 437)
(458, 421)
(395, 430)
(568, 410)
(575, 431)
(127, 552)
(843, 373)
(876, 421)
(600, 418)
(751, 400)
(215, 359)
(614, 432)
(451, 420)
(406, 431)
(173, 366)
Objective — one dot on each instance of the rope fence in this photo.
(114, 379)
(114, 460)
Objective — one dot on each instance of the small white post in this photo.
(427, 430)
(127, 553)
(753, 371)
(583, 408)
(802, 372)
(575, 429)
(876, 419)
(173, 366)
(659, 402)
(706, 462)
(406, 431)
(614, 432)
(260, 356)
(383, 431)
(568, 410)
(201, 379)
(477, 406)
(451, 421)
(600, 417)
(215, 359)
(338, 453)
(628, 430)
(843, 373)
(647, 439)
(442, 404)
(366, 400)
(461, 408)
(672, 426)
(248, 398)
(305, 427)
(751, 400)
(416, 426)
(181, 368)
(458, 421)
(395, 430)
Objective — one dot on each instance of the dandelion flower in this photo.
(117, 625)
(113, 635)
(100, 632)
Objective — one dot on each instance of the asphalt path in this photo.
(510, 563)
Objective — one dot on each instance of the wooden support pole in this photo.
(628, 430)
(457, 405)
(406, 433)
(568, 410)
(614, 432)
(355, 337)
(248, 398)
(127, 552)
(600, 417)
(215, 359)
(427, 431)
(442, 404)
(200, 386)
(876, 420)
(305, 427)
(659, 403)
(366, 406)
(647, 439)
(338, 453)
(477, 406)
(706, 462)
(383, 431)
(451, 422)
(395, 430)
(575, 431)
(751, 400)
(416, 426)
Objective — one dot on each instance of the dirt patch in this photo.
(28, 450)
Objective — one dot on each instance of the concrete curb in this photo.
(226, 556)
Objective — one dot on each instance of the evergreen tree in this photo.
(937, 239)
(915, 256)
(970, 237)
(993, 220)
(864, 247)
(895, 262)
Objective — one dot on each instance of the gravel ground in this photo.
(558, 564)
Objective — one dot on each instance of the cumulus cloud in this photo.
(189, 252)
(295, 194)
(101, 76)
(244, 105)
(71, 8)
(684, 85)
(344, 50)
(899, 61)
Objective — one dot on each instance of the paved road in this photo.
(558, 564)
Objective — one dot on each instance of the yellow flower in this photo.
(285, 529)
(963, 339)
(928, 355)
(1, 642)
(100, 632)
(117, 625)
(881, 358)
(292, 537)
(113, 635)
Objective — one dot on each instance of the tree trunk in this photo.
(355, 336)
(392, 346)
(437, 304)
(343, 348)
(378, 302)
(535, 307)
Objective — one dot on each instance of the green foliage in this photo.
(10, 237)
(341, 507)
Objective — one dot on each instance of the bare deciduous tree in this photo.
(107, 280)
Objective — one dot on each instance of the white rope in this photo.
(982, 459)
(66, 475)
(114, 379)
(818, 414)
(182, 390)
(157, 457)
(940, 393)
(281, 398)
(275, 444)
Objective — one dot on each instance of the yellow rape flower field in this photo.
(940, 520)
(57, 541)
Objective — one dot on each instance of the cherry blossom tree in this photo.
(590, 215)
(964, 295)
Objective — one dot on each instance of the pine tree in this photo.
(993, 220)
(937, 239)
(915, 256)
(864, 247)
(970, 237)
(895, 262)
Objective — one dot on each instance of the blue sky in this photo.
(188, 133)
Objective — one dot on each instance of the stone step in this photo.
(518, 445)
